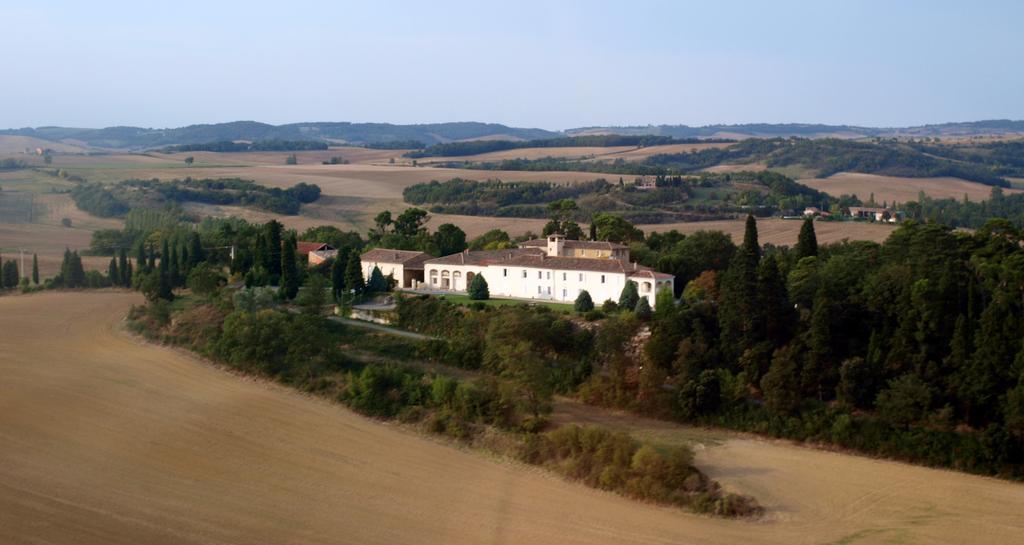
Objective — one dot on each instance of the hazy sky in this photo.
(544, 64)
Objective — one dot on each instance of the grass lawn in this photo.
(465, 300)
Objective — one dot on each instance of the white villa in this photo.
(406, 266)
(552, 269)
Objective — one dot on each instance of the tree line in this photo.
(229, 146)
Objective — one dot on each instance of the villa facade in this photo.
(551, 269)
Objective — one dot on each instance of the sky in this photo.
(548, 64)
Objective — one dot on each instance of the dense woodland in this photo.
(228, 146)
(116, 200)
(985, 163)
(475, 147)
(673, 198)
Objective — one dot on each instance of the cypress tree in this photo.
(750, 243)
(76, 270)
(774, 302)
(165, 264)
(35, 269)
(140, 257)
(113, 274)
(807, 242)
(173, 271)
(122, 264)
(819, 374)
(196, 255)
(337, 278)
(289, 270)
(740, 316)
(273, 251)
(593, 229)
(151, 264)
(643, 309)
(354, 274)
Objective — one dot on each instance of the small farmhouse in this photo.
(872, 213)
(551, 269)
(405, 266)
(315, 252)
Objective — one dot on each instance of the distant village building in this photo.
(646, 184)
(814, 211)
(405, 266)
(873, 213)
(551, 269)
(316, 252)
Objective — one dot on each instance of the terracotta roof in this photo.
(582, 244)
(485, 257)
(575, 264)
(651, 274)
(304, 248)
(410, 259)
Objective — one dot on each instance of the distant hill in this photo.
(136, 138)
(139, 138)
(812, 130)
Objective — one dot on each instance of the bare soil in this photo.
(900, 189)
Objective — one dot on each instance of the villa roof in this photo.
(484, 257)
(575, 264)
(410, 259)
(303, 247)
(581, 244)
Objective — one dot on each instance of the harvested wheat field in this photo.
(106, 439)
(780, 231)
(899, 189)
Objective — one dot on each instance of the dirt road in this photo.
(108, 440)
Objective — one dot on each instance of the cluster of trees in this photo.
(12, 164)
(476, 147)
(986, 164)
(614, 461)
(965, 213)
(153, 194)
(408, 231)
(10, 276)
(911, 348)
(228, 146)
(396, 144)
(673, 198)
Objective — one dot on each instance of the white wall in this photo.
(532, 283)
(395, 269)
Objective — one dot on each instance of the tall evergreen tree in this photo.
(478, 289)
(338, 277)
(807, 241)
(35, 269)
(122, 264)
(629, 296)
(377, 283)
(273, 250)
(354, 274)
(774, 302)
(740, 315)
(196, 255)
(174, 273)
(151, 264)
(819, 374)
(140, 257)
(113, 273)
(289, 269)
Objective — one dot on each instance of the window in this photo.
(602, 279)
(538, 289)
(504, 272)
(565, 293)
(524, 274)
(564, 275)
(548, 274)
(549, 290)
(581, 277)
(539, 275)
